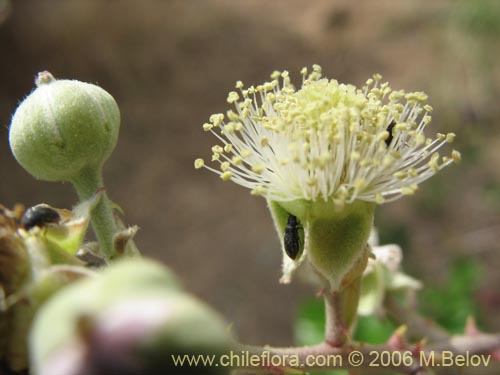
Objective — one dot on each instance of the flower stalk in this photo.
(102, 218)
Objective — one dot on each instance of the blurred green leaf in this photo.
(479, 17)
(373, 330)
(451, 303)
(310, 323)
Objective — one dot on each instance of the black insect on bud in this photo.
(38, 216)
(391, 136)
(291, 239)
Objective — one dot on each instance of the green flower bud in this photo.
(129, 319)
(64, 127)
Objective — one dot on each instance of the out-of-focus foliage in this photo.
(481, 17)
(452, 302)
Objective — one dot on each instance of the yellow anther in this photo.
(276, 74)
(207, 127)
(258, 190)
(236, 160)
(224, 166)
(245, 153)
(217, 149)
(258, 168)
(317, 68)
(401, 127)
(232, 97)
(217, 119)
(383, 136)
(226, 176)
(233, 116)
(229, 128)
(199, 163)
(434, 162)
(419, 139)
(409, 190)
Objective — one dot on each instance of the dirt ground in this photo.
(170, 64)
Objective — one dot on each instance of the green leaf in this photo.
(451, 303)
(373, 330)
(310, 324)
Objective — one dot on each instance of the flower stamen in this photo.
(326, 140)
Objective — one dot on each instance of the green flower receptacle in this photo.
(337, 243)
(335, 237)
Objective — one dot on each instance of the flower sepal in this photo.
(335, 238)
(63, 237)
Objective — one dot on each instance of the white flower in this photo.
(326, 140)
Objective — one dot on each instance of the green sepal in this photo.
(336, 236)
(280, 218)
(70, 233)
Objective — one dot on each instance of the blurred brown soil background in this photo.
(170, 64)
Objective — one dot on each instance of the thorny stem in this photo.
(340, 358)
(418, 326)
(338, 350)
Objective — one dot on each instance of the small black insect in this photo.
(391, 136)
(291, 239)
(38, 216)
